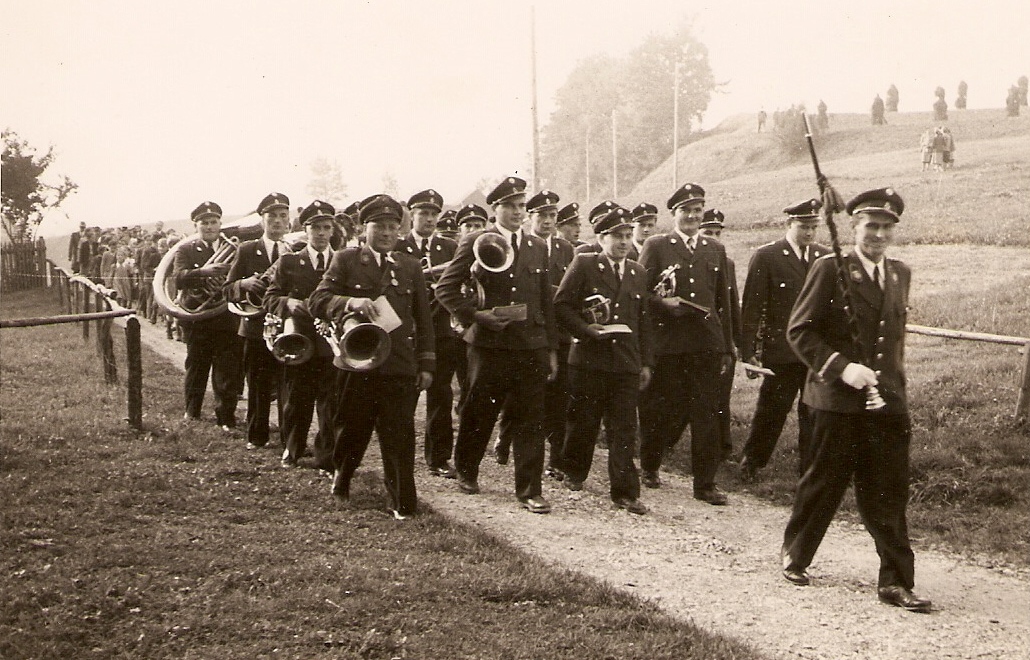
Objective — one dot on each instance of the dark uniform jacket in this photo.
(592, 274)
(526, 282)
(251, 259)
(353, 272)
(701, 279)
(774, 280)
(558, 262)
(818, 332)
(294, 276)
(734, 311)
(441, 250)
(189, 256)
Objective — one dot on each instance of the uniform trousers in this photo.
(371, 400)
(612, 396)
(307, 388)
(684, 389)
(494, 375)
(872, 448)
(556, 406)
(723, 416)
(263, 375)
(775, 398)
(212, 347)
(440, 401)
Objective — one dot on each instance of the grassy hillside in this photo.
(981, 200)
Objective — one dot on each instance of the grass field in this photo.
(179, 544)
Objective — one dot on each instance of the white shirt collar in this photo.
(868, 265)
(797, 248)
(512, 236)
(269, 243)
(313, 254)
(418, 238)
(687, 239)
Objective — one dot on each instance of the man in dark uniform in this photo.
(606, 370)
(712, 223)
(246, 284)
(543, 213)
(513, 343)
(851, 440)
(73, 246)
(595, 214)
(568, 224)
(383, 398)
(306, 387)
(645, 220)
(693, 345)
(432, 250)
(471, 218)
(774, 279)
(447, 225)
(211, 344)
(86, 250)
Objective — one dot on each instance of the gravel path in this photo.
(719, 567)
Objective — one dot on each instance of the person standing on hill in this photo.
(940, 145)
(775, 277)
(877, 111)
(926, 147)
(761, 120)
(848, 327)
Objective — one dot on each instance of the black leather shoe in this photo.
(748, 471)
(554, 473)
(650, 479)
(797, 575)
(711, 495)
(572, 484)
(467, 486)
(501, 453)
(902, 597)
(445, 471)
(535, 504)
(397, 515)
(341, 487)
(631, 505)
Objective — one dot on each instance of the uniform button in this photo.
(878, 373)
(879, 340)
(883, 323)
(616, 305)
(691, 280)
(615, 318)
(511, 274)
(692, 294)
(879, 356)
(513, 289)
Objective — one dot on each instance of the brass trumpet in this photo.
(193, 306)
(285, 342)
(358, 343)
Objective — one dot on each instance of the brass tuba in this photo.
(358, 343)
(195, 307)
(285, 342)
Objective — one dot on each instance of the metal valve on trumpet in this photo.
(286, 344)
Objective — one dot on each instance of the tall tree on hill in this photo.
(1022, 85)
(26, 193)
(326, 181)
(892, 99)
(637, 92)
(960, 101)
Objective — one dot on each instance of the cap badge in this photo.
(887, 206)
(889, 191)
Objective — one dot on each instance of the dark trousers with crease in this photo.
(684, 389)
(263, 377)
(775, 398)
(440, 401)
(556, 407)
(307, 389)
(494, 375)
(872, 449)
(597, 395)
(723, 416)
(212, 347)
(369, 401)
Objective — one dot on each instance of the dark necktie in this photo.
(618, 275)
(690, 245)
(515, 247)
(876, 275)
(321, 262)
(425, 247)
(275, 251)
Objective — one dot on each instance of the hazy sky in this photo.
(155, 107)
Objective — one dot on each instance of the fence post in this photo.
(134, 382)
(1023, 400)
(87, 306)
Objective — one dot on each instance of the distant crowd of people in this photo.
(938, 148)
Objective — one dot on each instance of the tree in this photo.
(389, 185)
(1023, 85)
(892, 98)
(27, 195)
(635, 95)
(960, 101)
(327, 181)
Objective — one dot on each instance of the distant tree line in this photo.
(632, 97)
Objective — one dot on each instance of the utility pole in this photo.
(615, 158)
(536, 127)
(586, 140)
(676, 128)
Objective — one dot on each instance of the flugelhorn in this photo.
(493, 253)
(285, 342)
(358, 343)
(194, 306)
(250, 306)
(666, 286)
(597, 309)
